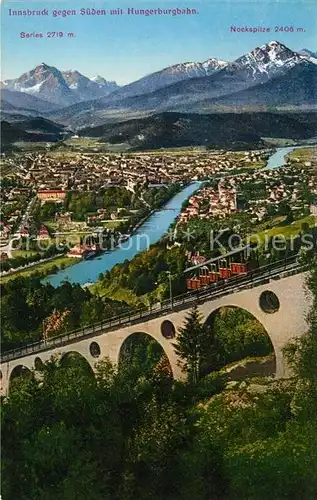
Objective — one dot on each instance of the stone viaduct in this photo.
(281, 322)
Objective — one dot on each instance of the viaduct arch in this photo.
(285, 323)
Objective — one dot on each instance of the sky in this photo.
(126, 47)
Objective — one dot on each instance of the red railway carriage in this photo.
(219, 268)
(204, 275)
(204, 280)
(238, 268)
(224, 271)
(213, 273)
(213, 277)
(193, 284)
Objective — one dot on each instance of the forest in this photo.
(27, 304)
(130, 431)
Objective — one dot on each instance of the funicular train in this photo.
(238, 262)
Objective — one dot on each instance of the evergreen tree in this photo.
(195, 346)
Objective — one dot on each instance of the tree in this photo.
(301, 355)
(56, 323)
(239, 335)
(195, 346)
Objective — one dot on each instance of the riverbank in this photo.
(43, 268)
(149, 232)
(279, 157)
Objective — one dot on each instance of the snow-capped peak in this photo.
(195, 69)
(102, 82)
(308, 55)
(96, 78)
(60, 87)
(268, 60)
(212, 65)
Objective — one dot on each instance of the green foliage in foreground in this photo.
(135, 435)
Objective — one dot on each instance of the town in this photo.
(52, 198)
(88, 172)
(259, 193)
(50, 179)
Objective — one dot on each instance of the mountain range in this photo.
(269, 76)
(63, 88)
(168, 76)
(258, 68)
(60, 87)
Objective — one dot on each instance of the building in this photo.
(64, 218)
(51, 195)
(43, 233)
(313, 208)
(82, 251)
(3, 256)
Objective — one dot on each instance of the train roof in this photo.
(216, 259)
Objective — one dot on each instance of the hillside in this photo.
(40, 125)
(31, 130)
(12, 100)
(297, 88)
(218, 130)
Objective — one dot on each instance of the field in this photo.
(74, 146)
(286, 142)
(286, 230)
(279, 142)
(175, 151)
(71, 231)
(23, 253)
(84, 142)
(31, 146)
(304, 154)
(112, 224)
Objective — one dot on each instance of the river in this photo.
(150, 232)
(277, 159)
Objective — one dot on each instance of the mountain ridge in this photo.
(256, 68)
(183, 87)
(59, 87)
(172, 129)
(170, 74)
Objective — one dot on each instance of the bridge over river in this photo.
(275, 295)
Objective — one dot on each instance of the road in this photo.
(26, 216)
(16, 236)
